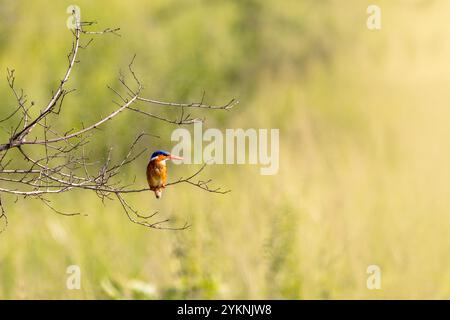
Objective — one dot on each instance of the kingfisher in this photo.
(157, 171)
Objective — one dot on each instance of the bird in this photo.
(157, 171)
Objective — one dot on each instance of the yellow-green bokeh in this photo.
(364, 152)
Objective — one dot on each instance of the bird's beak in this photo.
(172, 157)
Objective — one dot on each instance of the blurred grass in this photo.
(364, 151)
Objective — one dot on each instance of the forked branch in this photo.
(39, 161)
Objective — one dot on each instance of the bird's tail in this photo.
(158, 193)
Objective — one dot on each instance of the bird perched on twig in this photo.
(157, 171)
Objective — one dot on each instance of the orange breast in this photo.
(156, 175)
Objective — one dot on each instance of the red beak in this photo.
(172, 157)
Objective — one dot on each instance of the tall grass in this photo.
(363, 177)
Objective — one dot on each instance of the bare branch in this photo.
(3, 217)
(39, 160)
(201, 105)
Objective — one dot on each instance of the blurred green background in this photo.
(364, 151)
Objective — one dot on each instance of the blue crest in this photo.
(158, 153)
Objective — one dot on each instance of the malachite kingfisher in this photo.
(157, 171)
